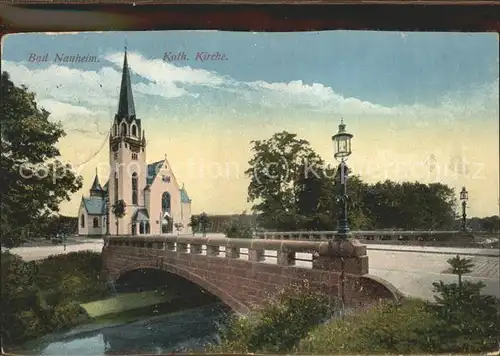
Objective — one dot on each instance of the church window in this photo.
(124, 129)
(82, 221)
(134, 130)
(96, 222)
(134, 156)
(134, 189)
(147, 227)
(126, 146)
(165, 202)
(141, 228)
(134, 228)
(116, 155)
(116, 186)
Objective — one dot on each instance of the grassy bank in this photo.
(126, 302)
(461, 320)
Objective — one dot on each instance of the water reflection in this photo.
(189, 330)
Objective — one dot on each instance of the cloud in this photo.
(98, 91)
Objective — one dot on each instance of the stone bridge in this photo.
(239, 271)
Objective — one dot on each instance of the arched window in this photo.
(124, 129)
(141, 228)
(134, 189)
(82, 221)
(147, 227)
(96, 222)
(116, 186)
(165, 202)
(134, 130)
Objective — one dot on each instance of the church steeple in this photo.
(126, 106)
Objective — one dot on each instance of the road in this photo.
(411, 269)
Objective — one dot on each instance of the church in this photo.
(154, 201)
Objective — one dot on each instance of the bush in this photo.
(40, 297)
(279, 325)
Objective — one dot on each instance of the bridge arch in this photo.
(225, 297)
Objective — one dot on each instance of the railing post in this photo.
(196, 249)
(232, 252)
(285, 258)
(213, 250)
(256, 255)
(182, 247)
(346, 256)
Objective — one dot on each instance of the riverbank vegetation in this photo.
(41, 297)
(461, 320)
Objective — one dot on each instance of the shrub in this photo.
(387, 328)
(279, 325)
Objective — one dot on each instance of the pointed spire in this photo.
(96, 188)
(126, 106)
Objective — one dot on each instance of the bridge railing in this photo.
(308, 254)
(366, 235)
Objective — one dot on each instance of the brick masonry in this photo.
(244, 285)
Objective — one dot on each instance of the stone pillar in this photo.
(344, 256)
(213, 250)
(285, 258)
(232, 252)
(256, 255)
(181, 247)
(196, 249)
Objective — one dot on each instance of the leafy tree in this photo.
(194, 223)
(276, 165)
(31, 173)
(239, 227)
(203, 221)
(118, 211)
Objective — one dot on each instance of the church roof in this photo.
(126, 106)
(184, 195)
(153, 169)
(95, 205)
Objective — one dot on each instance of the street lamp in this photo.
(464, 196)
(342, 148)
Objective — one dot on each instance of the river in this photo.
(187, 330)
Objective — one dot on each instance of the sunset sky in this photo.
(412, 100)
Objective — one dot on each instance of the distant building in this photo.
(155, 202)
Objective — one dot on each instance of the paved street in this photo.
(411, 269)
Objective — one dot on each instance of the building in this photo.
(154, 201)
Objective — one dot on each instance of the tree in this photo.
(273, 172)
(460, 266)
(239, 227)
(203, 222)
(118, 211)
(31, 173)
(470, 320)
(194, 223)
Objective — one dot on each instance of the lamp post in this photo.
(342, 150)
(464, 196)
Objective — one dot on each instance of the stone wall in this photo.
(246, 284)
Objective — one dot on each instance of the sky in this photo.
(421, 106)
